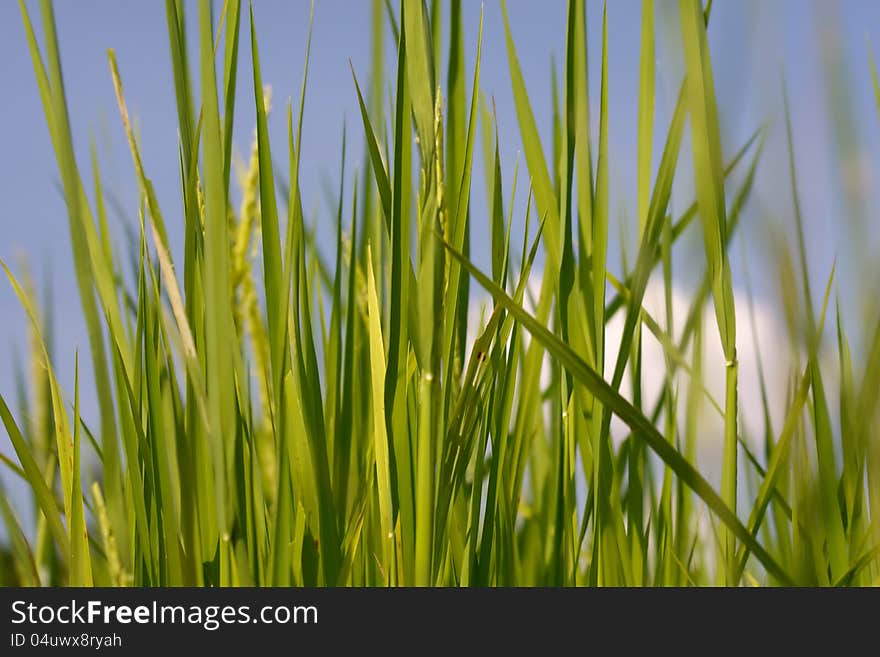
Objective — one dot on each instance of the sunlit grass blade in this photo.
(380, 435)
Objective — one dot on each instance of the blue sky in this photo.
(752, 41)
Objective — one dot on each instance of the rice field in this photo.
(415, 407)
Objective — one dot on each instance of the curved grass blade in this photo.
(631, 416)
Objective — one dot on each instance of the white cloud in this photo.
(769, 338)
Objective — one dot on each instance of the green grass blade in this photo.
(34, 477)
(540, 174)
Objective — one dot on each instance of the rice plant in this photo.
(272, 416)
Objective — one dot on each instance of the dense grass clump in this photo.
(272, 417)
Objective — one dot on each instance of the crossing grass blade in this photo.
(640, 425)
